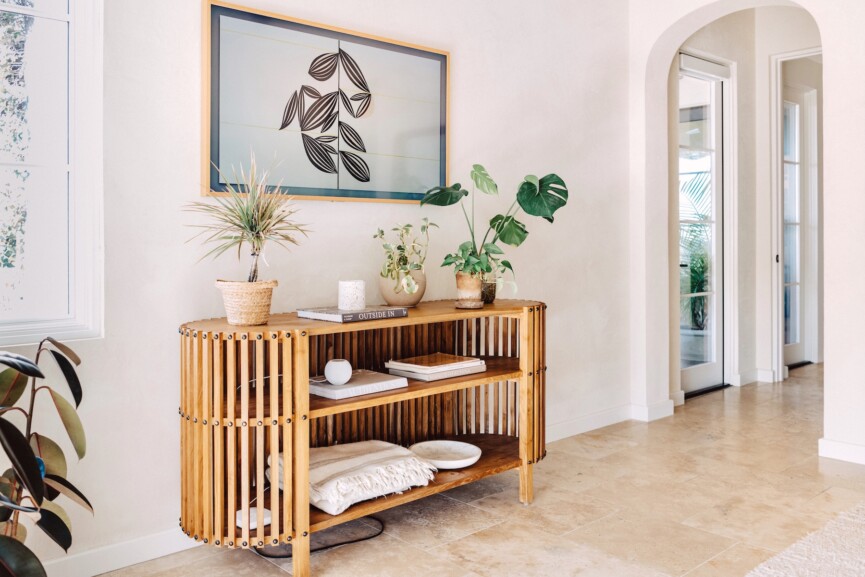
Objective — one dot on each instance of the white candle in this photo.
(352, 295)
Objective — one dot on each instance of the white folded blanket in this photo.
(342, 475)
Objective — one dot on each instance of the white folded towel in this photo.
(342, 475)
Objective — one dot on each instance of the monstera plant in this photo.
(474, 260)
(30, 488)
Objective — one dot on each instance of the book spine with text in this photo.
(374, 315)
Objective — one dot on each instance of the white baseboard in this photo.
(766, 375)
(652, 412)
(587, 423)
(745, 378)
(119, 555)
(678, 398)
(841, 451)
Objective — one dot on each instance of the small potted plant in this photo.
(402, 281)
(252, 213)
(474, 260)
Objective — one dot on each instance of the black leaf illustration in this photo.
(323, 66)
(326, 138)
(329, 122)
(352, 70)
(365, 99)
(310, 91)
(329, 148)
(319, 112)
(355, 165)
(351, 137)
(318, 155)
(301, 111)
(346, 102)
(290, 110)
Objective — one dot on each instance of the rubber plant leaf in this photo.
(50, 453)
(12, 385)
(444, 195)
(23, 460)
(509, 230)
(54, 526)
(10, 504)
(64, 487)
(544, 198)
(21, 534)
(18, 560)
(483, 180)
(65, 349)
(71, 421)
(70, 375)
(20, 363)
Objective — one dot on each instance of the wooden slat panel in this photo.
(287, 424)
(217, 426)
(231, 436)
(257, 425)
(246, 469)
(273, 429)
(300, 543)
(206, 436)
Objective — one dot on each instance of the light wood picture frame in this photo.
(332, 114)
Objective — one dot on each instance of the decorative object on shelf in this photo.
(253, 213)
(402, 281)
(436, 366)
(351, 295)
(447, 454)
(253, 518)
(337, 371)
(337, 315)
(337, 137)
(360, 382)
(537, 197)
(488, 289)
(38, 472)
(342, 475)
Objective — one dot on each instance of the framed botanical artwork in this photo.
(332, 114)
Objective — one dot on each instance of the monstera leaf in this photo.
(509, 230)
(483, 180)
(444, 195)
(542, 198)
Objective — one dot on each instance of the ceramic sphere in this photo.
(337, 371)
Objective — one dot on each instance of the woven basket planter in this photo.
(247, 303)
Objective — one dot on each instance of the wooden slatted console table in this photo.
(244, 402)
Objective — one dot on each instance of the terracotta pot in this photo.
(402, 299)
(469, 288)
(247, 303)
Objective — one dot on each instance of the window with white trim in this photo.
(50, 170)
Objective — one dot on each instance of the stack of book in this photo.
(435, 366)
(336, 315)
(362, 382)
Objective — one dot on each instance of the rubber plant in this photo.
(535, 196)
(38, 473)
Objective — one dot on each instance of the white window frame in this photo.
(86, 251)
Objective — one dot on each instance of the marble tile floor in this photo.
(729, 480)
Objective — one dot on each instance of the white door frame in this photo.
(730, 226)
(776, 187)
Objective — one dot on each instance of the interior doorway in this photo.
(701, 168)
(799, 214)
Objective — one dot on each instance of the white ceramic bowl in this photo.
(337, 371)
(447, 454)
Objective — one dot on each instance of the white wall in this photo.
(535, 89)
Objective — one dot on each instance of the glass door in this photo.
(700, 244)
(793, 209)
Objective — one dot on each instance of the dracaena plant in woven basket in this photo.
(252, 213)
(30, 487)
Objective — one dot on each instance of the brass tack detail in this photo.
(204, 422)
(259, 423)
(243, 544)
(243, 423)
(303, 418)
(195, 334)
(303, 334)
(258, 337)
(289, 539)
(243, 337)
(305, 533)
(230, 337)
(195, 420)
(273, 336)
(230, 424)
(216, 423)
(231, 543)
(196, 537)
(216, 542)
(260, 544)
(275, 541)
(274, 422)
(288, 421)
(205, 541)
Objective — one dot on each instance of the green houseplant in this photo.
(473, 260)
(402, 280)
(37, 477)
(252, 213)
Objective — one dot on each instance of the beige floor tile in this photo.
(664, 546)
(436, 520)
(552, 511)
(736, 561)
(233, 563)
(514, 549)
(590, 445)
(384, 556)
(758, 523)
(167, 563)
